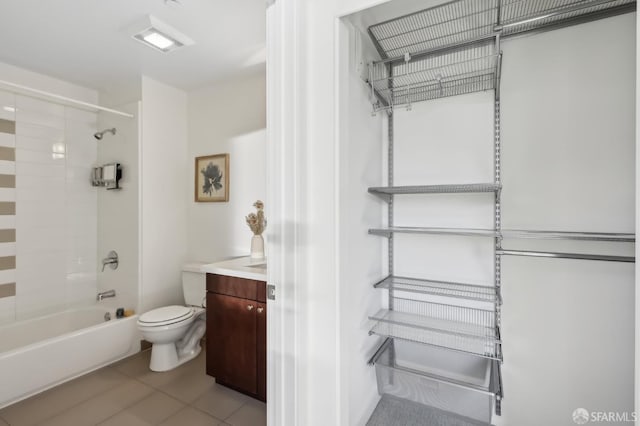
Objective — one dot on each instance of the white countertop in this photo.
(241, 267)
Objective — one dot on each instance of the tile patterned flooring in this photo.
(129, 394)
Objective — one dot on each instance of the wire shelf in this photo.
(462, 21)
(464, 70)
(449, 24)
(469, 232)
(386, 191)
(477, 381)
(441, 288)
(450, 49)
(518, 16)
(458, 328)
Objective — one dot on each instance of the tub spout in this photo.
(105, 294)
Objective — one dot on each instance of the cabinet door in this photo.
(231, 341)
(261, 349)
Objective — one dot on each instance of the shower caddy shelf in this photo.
(449, 50)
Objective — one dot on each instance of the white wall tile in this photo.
(7, 100)
(79, 174)
(8, 276)
(39, 118)
(81, 117)
(39, 240)
(7, 139)
(7, 167)
(43, 144)
(7, 222)
(7, 310)
(7, 194)
(33, 215)
(42, 195)
(25, 103)
(56, 157)
(35, 271)
(25, 182)
(41, 170)
(37, 132)
(42, 301)
(7, 249)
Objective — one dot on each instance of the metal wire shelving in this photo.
(460, 22)
(385, 192)
(461, 291)
(449, 50)
(454, 327)
(465, 70)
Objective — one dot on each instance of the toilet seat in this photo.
(166, 315)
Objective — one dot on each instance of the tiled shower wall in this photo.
(48, 209)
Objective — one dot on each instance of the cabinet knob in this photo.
(249, 307)
(260, 310)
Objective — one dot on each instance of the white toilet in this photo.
(175, 331)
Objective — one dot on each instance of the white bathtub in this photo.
(39, 353)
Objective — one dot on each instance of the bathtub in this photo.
(39, 353)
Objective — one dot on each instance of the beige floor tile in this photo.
(152, 410)
(220, 401)
(188, 387)
(137, 367)
(102, 406)
(253, 413)
(54, 401)
(191, 417)
(125, 418)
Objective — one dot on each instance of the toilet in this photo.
(175, 331)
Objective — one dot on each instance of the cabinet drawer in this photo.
(237, 287)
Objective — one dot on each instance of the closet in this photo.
(464, 232)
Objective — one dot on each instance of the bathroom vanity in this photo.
(237, 325)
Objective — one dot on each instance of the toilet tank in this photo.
(194, 284)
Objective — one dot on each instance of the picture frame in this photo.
(212, 178)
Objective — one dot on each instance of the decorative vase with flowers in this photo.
(257, 222)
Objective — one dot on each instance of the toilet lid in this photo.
(166, 314)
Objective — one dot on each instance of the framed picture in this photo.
(212, 178)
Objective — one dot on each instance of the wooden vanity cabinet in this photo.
(237, 333)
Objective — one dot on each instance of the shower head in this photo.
(99, 135)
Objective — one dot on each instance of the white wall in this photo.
(118, 227)
(361, 166)
(569, 164)
(163, 198)
(229, 117)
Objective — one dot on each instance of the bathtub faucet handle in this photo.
(111, 260)
(105, 294)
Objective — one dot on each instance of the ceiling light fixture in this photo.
(156, 34)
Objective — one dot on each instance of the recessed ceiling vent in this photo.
(156, 34)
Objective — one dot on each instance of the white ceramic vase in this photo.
(257, 247)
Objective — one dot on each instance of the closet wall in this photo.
(568, 122)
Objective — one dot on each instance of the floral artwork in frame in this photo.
(212, 178)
